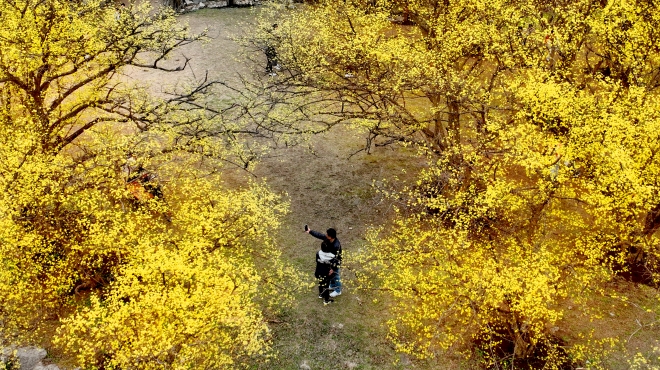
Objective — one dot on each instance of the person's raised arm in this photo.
(316, 234)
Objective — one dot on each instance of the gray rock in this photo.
(216, 4)
(6, 351)
(29, 357)
(242, 2)
(202, 5)
(41, 366)
(26, 357)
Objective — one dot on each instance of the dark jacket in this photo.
(334, 247)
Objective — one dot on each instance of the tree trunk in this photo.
(521, 346)
(652, 221)
(436, 134)
(454, 119)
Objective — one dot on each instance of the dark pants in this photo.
(270, 63)
(271, 58)
(324, 287)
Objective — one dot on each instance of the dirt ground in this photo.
(325, 189)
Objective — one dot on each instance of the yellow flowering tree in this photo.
(119, 244)
(539, 123)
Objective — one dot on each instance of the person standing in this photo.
(325, 271)
(271, 60)
(330, 238)
(271, 53)
(549, 42)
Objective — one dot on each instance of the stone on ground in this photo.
(26, 357)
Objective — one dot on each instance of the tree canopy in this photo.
(539, 122)
(114, 224)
